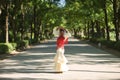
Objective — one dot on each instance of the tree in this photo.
(115, 9)
(106, 19)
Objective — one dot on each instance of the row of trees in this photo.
(21, 19)
(96, 18)
(35, 19)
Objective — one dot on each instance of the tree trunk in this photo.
(15, 31)
(119, 20)
(22, 29)
(31, 31)
(75, 32)
(97, 25)
(6, 26)
(115, 6)
(85, 29)
(88, 30)
(38, 28)
(106, 20)
(13, 28)
(34, 21)
(92, 29)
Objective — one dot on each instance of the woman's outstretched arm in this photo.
(66, 40)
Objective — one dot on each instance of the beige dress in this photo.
(60, 61)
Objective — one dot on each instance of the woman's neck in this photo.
(61, 36)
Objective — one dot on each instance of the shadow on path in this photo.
(38, 60)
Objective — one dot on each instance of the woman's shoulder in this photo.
(61, 37)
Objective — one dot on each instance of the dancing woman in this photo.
(60, 60)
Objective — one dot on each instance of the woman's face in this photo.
(61, 33)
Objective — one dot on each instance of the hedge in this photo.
(6, 48)
(109, 44)
(117, 45)
(22, 44)
(95, 40)
(32, 41)
(14, 45)
(9, 47)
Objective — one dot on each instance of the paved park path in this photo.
(85, 62)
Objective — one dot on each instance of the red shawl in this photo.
(61, 41)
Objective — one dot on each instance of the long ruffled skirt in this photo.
(60, 61)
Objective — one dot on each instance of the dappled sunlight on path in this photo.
(85, 62)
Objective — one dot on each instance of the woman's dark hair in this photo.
(62, 30)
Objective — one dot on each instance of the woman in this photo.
(60, 60)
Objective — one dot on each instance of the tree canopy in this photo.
(35, 19)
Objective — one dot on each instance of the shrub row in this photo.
(9, 47)
(22, 44)
(117, 45)
(6, 48)
(78, 36)
(109, 44)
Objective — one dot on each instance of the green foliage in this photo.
(111, 44)
(32, 41)
(14, 45)
(18, 37)
(6, 48)
(104, 42)
(78, 36)
(117, 45)
(22, 44)
(94, 40)
(34, 17)
(28, 16)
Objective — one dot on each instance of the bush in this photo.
(14, 45)
(117, 45)
(94, 40)
(6, 48)
(110, 44)
(32, 41)
(103, 42)
(22, 44)
(26, 38)
(78, 36)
